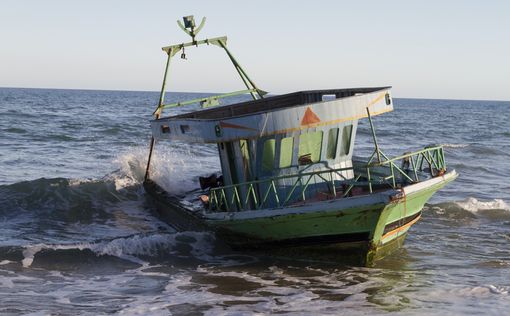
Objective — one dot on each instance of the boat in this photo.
(288, 179)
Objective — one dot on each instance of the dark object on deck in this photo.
(210, 182)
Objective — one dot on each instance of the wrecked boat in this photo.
(288, 179)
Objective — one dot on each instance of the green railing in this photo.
(270, 193)
(410, 163)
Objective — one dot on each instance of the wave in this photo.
(170, 168)
(135, 249)
(60, 195)
(454, 145)
(56, 210)
(471, 207)
(475, 206)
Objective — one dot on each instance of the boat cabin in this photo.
(269, 138)
(270, 142)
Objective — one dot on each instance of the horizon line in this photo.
(157, 91)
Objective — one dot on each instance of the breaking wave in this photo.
(473, 208)
(96, 215)
(170, 168)
(60, 195)
(136, 249)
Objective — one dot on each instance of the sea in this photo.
(79, 236)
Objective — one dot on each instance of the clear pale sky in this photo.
(424, 49)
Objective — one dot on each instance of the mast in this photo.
(190, 28)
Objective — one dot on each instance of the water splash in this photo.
(131, 168)
(175, 167)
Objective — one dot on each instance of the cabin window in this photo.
(328, 97)
(346, 140)
(332, 143)
(310, 145)
(268, 155)
(286, 148)
(184, 128)
(165, 129)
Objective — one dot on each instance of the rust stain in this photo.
(230, 125)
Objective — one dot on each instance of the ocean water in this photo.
(79, 236)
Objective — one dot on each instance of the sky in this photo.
(424, 49)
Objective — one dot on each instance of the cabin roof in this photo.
(284, 114)
(274, 103)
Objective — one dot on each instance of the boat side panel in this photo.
(292, 226)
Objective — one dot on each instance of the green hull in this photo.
(288, 180)
(366, 233)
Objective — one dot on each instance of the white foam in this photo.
(474, 206)
(130, 247)
(503, 290)
(155, 244)
(29, 253)
(78, 182)
(454, 145)
(277, 291)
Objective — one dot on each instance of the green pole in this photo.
(157, 114)
(163, 87)
(241, 71)
(373, 135)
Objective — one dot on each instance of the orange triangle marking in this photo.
(309, 117)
